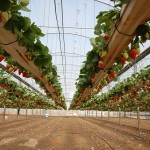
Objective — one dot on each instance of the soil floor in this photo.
(73, 133)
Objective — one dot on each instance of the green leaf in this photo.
(24, 2)
(25, 9)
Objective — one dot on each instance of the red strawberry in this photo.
(100, 64)
(42, 75)
(27, 56)
(20, 72)
(123, 60)
(3, 84)
(15, 68)
(136, 94)
(107, 79)
(24, 74)
(148, 89)
(133, 53)
(112, 75)
(93, 76)
(106, 37)
(122, 98)
(1, 57)
(100, 86)
(8, 66)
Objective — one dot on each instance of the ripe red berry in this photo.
(1, 57)
(15, 68)
(8, 66)
(133, 53)
(112, 75)
(100, 86)
(123, 60)
(100, 64)
(106, 37)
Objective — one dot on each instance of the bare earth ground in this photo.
(73, 133)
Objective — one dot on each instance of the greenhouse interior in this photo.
(77, 81)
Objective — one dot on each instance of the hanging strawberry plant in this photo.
(109, 59)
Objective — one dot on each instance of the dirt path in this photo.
(71, 133)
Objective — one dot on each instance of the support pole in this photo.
(138, 118)
(4, 113)
(96, 113)
(26, 112)
(101, 114)
(17, 112)
(119, 116)
(108, 114)
(32, 112)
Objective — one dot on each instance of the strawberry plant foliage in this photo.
(107, 22)
(118, 95)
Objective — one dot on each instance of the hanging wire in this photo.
(48, 20)
(44, 12)
(63, 39)
(59, 32)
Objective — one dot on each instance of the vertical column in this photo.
(17, 112)
(4, 113)
(119, 116)
(108, 114)
(32, 112)
(26, 112)
(138, 118)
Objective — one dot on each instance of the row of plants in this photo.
(13, 95)
(129, 94)
(29, 37)
(106, 23)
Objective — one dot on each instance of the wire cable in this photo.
(10, 42)
(63, 38)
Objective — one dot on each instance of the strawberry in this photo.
(1, 57)
(102, 55)
(106, 37)
(10, 69)
(93, 76)
(15, 68)
(20, 72)
(8, 66)
(3, 84)
(125, 55)
(29, 58)
(136, 94)
(42, 75)
(133, 53)
(100, 64)
(112, 75)
(138, 51)
(148, 89)
(123, 60)
(100, 86)
(122, 98)
(24, 74)
(107, 79)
